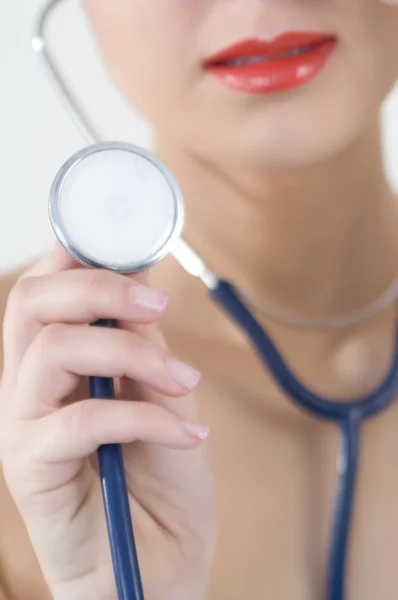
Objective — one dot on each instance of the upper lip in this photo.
(256, 47)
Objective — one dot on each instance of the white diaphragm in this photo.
(116, 206)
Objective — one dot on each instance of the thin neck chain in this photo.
(338, 322)
(193, 264)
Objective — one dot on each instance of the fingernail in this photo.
(183, 374)
(196, 430)
(148, 298)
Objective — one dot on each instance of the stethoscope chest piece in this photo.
(116, 206)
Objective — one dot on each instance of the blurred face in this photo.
(274, 98)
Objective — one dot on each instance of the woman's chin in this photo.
(296, 129)
(277, 150)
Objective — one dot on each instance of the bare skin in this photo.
(315, 240)
(275, 466)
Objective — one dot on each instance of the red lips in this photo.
(258, 67)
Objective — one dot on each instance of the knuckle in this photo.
(150, 355)
(77, 417)
(97, 287)
(127, 343)
(143, 412)
(48, 338)
(13, 440)
(93, 282)
(18, 298)
(124, 347)
(158, 359)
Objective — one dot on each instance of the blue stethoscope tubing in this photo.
(348, 417)
(116, 502)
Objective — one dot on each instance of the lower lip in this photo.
(275, 75)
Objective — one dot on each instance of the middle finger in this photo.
(61, 354)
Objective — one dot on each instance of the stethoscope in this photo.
(116, 206)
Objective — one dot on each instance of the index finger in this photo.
(60, 260)
(55, 261)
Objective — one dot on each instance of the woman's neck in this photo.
(318, 242)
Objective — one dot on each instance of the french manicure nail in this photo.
(183, 374)
(196, 430)
(148, 298)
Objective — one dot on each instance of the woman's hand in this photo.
(50, 430)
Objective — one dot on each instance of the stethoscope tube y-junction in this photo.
(347, 416)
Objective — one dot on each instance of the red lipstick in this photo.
(259, 67)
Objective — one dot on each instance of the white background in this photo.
(36, 136)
